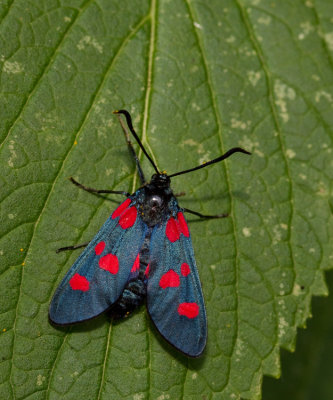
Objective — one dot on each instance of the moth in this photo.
(143, 252)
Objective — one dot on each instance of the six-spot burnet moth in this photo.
(143, 251)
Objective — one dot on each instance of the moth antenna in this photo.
(216, 160)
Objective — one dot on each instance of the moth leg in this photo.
(91, 190)
(132, 151)
(76, 246)
(205, 216)
(179, 194)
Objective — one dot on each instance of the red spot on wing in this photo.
(79, 282)
(147, 271)
(182, 224)
(99, 248)
(128, 217)
(136, 264)
(185, 269)
(110, 263)
(120, 209)
(170, 279)
(190, 310)
(171, 230)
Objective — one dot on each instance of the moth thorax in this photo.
(153, 208)
(155, 201)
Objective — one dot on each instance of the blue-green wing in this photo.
(174, 297)
(98, 277)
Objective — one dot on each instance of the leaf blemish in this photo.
(290, 153)
(40, 380)
(238, 124)
(282, 325)
(246, 232)
(193, 143)
(327, 96)
(12, 67)
(297, 290)
(247, 143)
(266, 20)
(283, 92)
(138, 396)
(306, 29)
(196, 107)
(253, 77)
(329, 40)
(88, 40)
(230, 39)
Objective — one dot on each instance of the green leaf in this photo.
(198, 78)
(307, 374)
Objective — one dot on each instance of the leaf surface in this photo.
(198, 78)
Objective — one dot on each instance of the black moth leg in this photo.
(92, 190)
(77, 246)
(205, 216)
(132, 151)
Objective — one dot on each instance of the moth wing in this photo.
(174, 297)
(98, 277)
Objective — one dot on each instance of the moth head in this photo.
(161, 180)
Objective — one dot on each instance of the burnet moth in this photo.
(142, 252)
